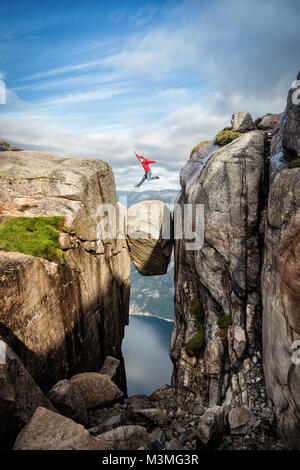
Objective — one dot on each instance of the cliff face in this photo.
(280, 278)
(62, 318)
(224, 273)
(246, 272)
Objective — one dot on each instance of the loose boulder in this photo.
(111, 367)
(154, 416)
(127, 438)
(211, 426)
(241, 420)
(51, 431)
(242, 122)
(68, 401)
(270, 122)
(96, 389)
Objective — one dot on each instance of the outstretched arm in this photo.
(137, 156)
(152, 161)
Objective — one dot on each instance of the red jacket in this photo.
(145, 162)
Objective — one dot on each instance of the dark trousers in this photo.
(147, 176)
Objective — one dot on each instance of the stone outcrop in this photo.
(149, 237)
(241, 420)
(4, 147)
(127, 438)
(111, 367)
(280, 280)
(211, 426)
(64, 318)
(19, 396)
(68, 400)
(96, 389)
(50, 431)
(270, 123)
(242, 122)
(291, 122)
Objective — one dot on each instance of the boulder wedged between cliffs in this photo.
(150, 237)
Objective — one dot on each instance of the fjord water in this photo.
(146, 353)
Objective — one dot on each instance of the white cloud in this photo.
(62, 70)
(163, 90)
(244, 48)
(153, 54)
(103, 93)
(142, 16)
(169, 141)
(83, 80)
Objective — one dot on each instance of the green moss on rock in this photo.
(199, 146)
(294, 163)
(223, 324)
(197, 311)
(35, 236)
(196, 343)
(225, 136)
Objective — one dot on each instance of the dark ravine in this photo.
(237, 303)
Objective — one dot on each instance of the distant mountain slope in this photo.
(152, 295)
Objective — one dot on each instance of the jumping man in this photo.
(147, 175)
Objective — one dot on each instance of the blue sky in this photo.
(102, 78)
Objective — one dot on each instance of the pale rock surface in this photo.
(270, 123)
(224, 274)
(127, 438)
(241, 420)
(242, 122)
(51, 431)
(211, 426)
